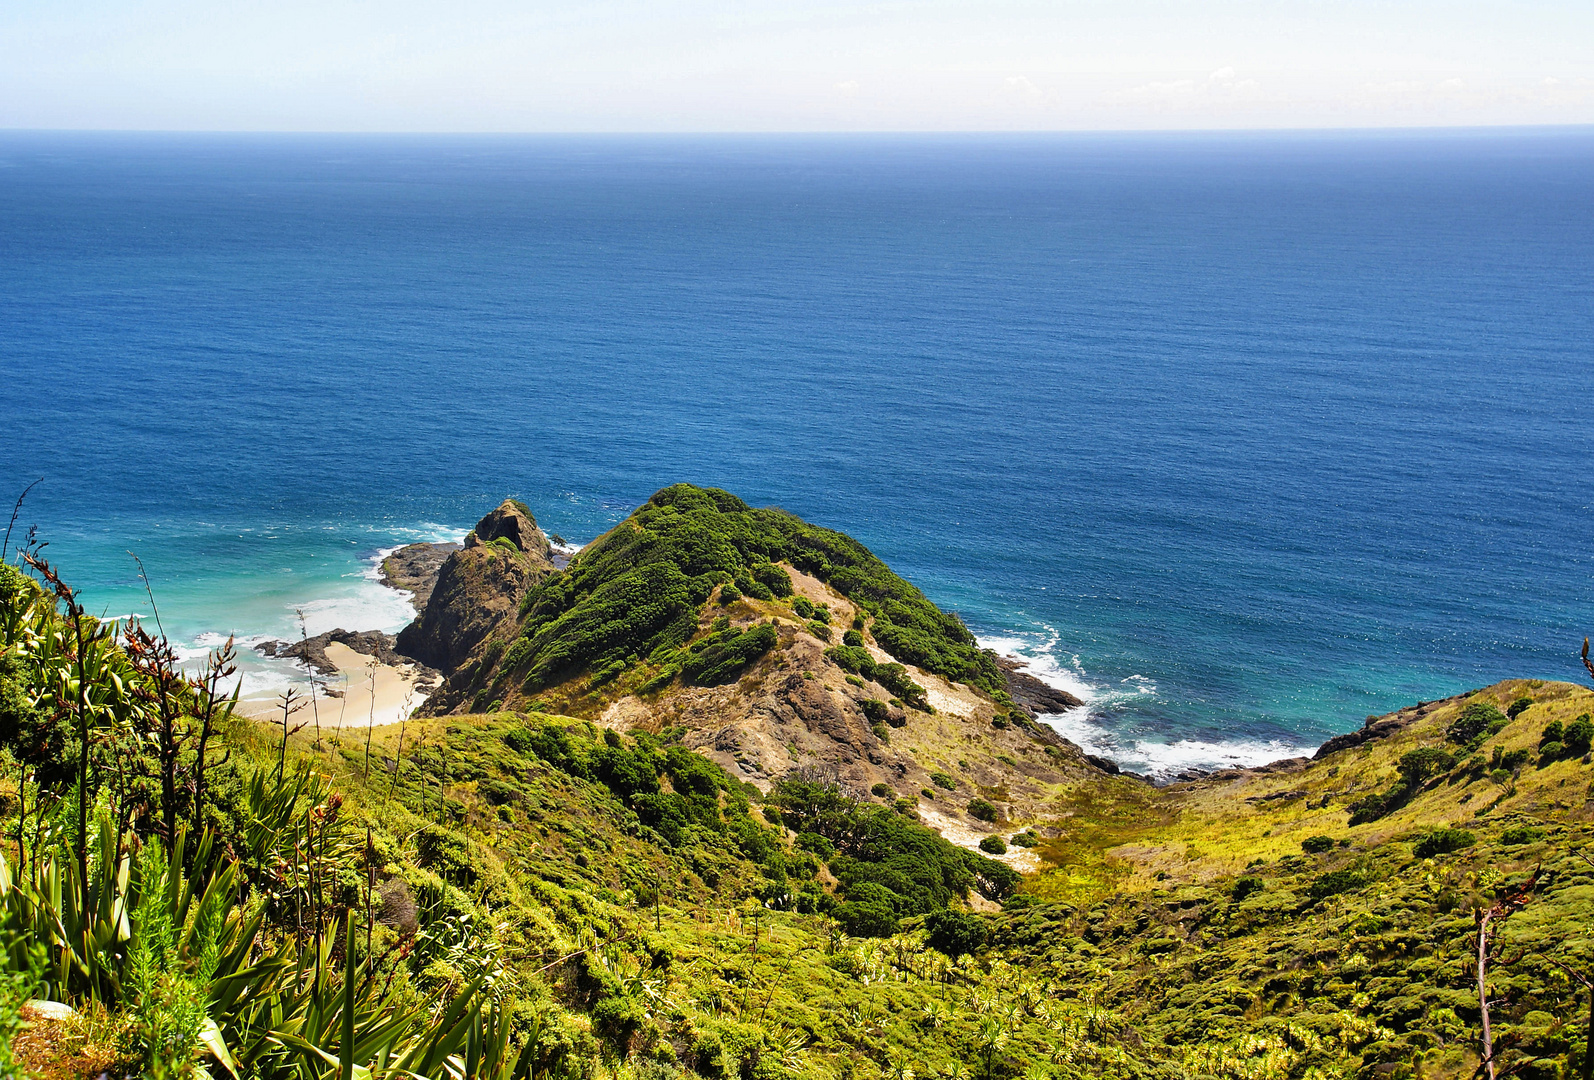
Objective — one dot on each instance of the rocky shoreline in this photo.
(312, 652)
(415, 569)
(1032, 695)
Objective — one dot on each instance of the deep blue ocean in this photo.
(1244, 436)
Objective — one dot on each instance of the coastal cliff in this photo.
(726, 829)
(772, 645)
(477, 587)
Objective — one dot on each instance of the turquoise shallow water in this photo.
(1244, 437)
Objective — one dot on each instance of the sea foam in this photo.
(1089, 725)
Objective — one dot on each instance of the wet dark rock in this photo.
(414, 570)
(1032, 695)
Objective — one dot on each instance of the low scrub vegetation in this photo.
(528, 896)
(639, 588)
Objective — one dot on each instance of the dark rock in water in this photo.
(1107, 765)
(313, 651)
(478, 587)
(414, 569)
(1032, 695)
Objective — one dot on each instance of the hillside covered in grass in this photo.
(653, 872)
(629, 603)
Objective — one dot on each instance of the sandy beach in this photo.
(356, 705)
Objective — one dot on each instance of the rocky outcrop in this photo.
(512, 522)
(414, 569)
(1380, 727)
(313, 651)
(478, 588)
(794, 710)
(1032, 695)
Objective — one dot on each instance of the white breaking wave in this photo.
(428, 532)
(361, 602)
(1084, 726)
(1163, 760)
(262, 676)
(370, 608)
(1040, 660)
(368, 604)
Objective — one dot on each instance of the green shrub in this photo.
(819, 630)
(802, 607)
(993, 845)
(982, 810)
(1246, 886)
(1335, 882)
(722, 657)
(1316, 845)
(1551, 752)
(1026, 839)
(1477, 721)
(822, 613)
(729, 594)
(875, 710)
(955, 933)
(773, 578)
(894, 677)
(942, 780)
(631, 613)
(866, 918)
(1552, 732)
(919, 870)
(1519, 706)
(757, 590)
(1578, 736)
(853, 638)
(1417, 766)
(1521, 834)
(1442, 842)
(881, 791)
(812, 841)
(497, 792)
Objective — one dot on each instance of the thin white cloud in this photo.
(698, 65)
(1019, 87)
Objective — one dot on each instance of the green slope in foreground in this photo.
(531, 895)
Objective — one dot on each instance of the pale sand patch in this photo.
(355, 709)
(1023, 860)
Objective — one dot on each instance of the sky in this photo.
(798, 65)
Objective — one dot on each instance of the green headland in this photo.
(726, 797)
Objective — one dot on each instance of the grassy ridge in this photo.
(633, 594)
(521, 895)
